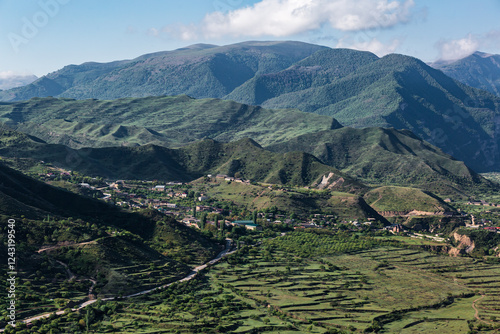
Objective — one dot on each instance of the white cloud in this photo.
(10, 79)
(463, 47)
(280, 18)
(458, 48)
(373, 45)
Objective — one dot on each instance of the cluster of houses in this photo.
(229, 178)
(483, 203)
(248, 224)
(172, 207)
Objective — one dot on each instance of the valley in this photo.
(257, 187)
(305, 260)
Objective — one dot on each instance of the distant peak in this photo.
(198, 46)
(483, 54)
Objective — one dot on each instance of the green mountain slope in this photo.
(357, 88)
(480, 70)
(389, 156)
(35, 199)
(169, 121)
(138, 240)
(315, 71)
(346, 206)
(244, 158)
(405, 200)
(199, 71)
(402, 92)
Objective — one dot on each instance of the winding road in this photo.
(192, 274)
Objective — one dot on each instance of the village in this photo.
(185, 203)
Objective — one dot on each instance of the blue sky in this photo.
(41, 36)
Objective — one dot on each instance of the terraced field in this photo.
(369, 286)
(354, 291)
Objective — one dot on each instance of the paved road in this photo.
(191, 275)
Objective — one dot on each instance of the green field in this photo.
(307, 282)
(295, 200)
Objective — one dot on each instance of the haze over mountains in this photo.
(10, 80)
(357, 88)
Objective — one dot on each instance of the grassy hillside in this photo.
(169, 121)
(343, 205)
(244, 159)
(389, 156)
(402, 199)
(94, 238)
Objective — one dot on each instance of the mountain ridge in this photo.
(480, 70)
(357, 88)
(168, 121)
(387, 156)
(243, 158)
(372, 155)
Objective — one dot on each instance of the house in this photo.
(190, 220)
(159, 188)
(203, 208)
(249, 224)
(202, 198)
(306, 226)
(395, 228)
(175, 183)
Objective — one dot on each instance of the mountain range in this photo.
(167, 121)
(480, 70)
(388, 156)
(346, 157)
(243, 158)
(357, 88)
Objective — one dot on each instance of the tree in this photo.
(203, 220)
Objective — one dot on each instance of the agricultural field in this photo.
(313, 281)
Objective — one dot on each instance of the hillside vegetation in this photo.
(298, 201)
(94, 238)
(169, 121)
(389, 156)
(357, 88)
(244, 159)
(480, 70)
(199, 70)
